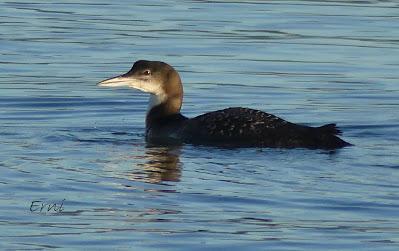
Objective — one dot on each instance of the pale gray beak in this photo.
(118, 81)
(132, 82)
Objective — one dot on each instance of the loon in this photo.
(230, 127)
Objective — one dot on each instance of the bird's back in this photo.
(240, 127)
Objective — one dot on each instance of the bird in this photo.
(229, 127)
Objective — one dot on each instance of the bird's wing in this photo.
(233, 124)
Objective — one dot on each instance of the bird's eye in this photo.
(147, 72)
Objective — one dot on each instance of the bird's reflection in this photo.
(162, 164)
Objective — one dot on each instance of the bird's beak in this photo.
(118, 81)
(130, 81)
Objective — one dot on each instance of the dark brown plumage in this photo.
(253, 128)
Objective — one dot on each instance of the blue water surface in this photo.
(79, 150)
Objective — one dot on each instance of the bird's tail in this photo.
(328, 135)
(329, 129)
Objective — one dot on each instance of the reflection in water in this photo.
(162, 164)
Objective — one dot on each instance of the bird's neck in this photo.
(167, 102)
(162, 107)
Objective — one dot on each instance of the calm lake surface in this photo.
(66, 141)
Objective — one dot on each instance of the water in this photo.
(64, 140)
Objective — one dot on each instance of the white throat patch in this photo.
(155, 100)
